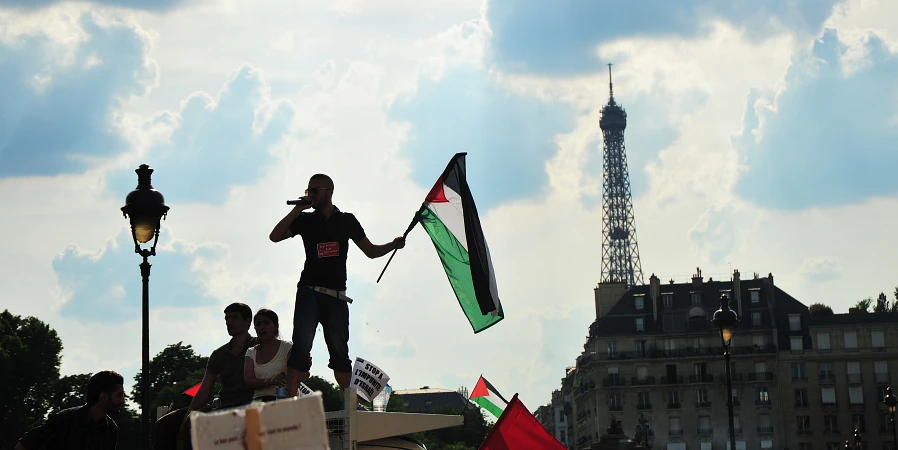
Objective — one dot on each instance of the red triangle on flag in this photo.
(480, 389)
(517, 429)
(192, 391)
(436, 194)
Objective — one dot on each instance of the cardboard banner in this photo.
(295, 423)
(368, 379)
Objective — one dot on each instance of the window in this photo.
(645, 398)
(701, 396)
(755, 296)
(828, 396)
(674, 424)
(614, 401)
(701, 369)
(850, 340)
(881, 371)
(760, 367)
(795, 343)
(642, 372)
(613, 376)
(696, 298)
(641, 349)
(855, 395)
(612, 349)
(764, 422)
(801, 398)
(759, 341)
(767, 444)
(859, 423)
(877, 340)
(668, 300)
(669, 345)
(755, 318)
(763, 396)
(673, 397)
(798, 372)
(804, 424)
(698, 342)
(823, 341)
(705, 446)
(794, 322)
(830, 423)
(639, 302)
(854, 371)
(640, 324)
(740, 445)
(704, 424)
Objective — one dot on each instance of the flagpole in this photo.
(407, 231)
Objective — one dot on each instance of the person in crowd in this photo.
(265, 365)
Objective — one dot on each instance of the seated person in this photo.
(265, 365)
(225, 362)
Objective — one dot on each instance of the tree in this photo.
(465, 437)
(862, 306)
(29, 367)
(69, 391)
(819, 309)
(175, 369)
(331, 396)
(882, 303)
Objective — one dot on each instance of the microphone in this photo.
(299, 201)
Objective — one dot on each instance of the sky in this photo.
(761, 137)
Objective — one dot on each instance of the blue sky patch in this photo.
(831, 140)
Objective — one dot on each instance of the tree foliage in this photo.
(331, 395)
(29, 367)
(466, 437)
(69, 391)
(862, 306)
(175, 369)
(819, 309)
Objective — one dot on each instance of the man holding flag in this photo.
(321, 291)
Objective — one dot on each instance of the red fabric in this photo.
(192, 391)
(436, 194)
(480, 389)
(517, 429)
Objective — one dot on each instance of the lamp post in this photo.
(892, 402)
(145, 207)
(858, 442)
(643, 431)
(726, 319)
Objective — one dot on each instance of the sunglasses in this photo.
(314, 190)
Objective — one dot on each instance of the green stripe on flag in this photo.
(458, 268)
(488, 405)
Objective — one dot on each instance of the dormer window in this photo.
(668, 300)
(755, 296)
(639, 302)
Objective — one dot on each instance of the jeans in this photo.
(311, 309)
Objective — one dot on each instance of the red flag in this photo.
(517, 429)
(192, 391)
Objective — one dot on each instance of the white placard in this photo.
(295, 423)
(304, 390)
(368, 379)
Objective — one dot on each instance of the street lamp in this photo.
(643, 431)
(892, 402)
(145, 207)
(726, 319)
(857, 439)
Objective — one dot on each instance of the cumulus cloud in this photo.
(827, 138)
(150, 5)
(821, 269)
(562, 37)
(213, 144)
(61, 89)
(105, 286)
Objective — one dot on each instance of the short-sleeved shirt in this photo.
(277, 365)
(326, 241)
(73, 429)
(229, 368)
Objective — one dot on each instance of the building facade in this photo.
(798, 382)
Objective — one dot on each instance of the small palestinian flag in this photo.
(485, 395)
(450, 218)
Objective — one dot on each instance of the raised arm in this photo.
(376, 251)
(282, 231)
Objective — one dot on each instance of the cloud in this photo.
(106, 286)
(508, 137)
(212, 145)
(150, 5)
(819, 270)
(562, 37)
(827, 139)
(60, 89)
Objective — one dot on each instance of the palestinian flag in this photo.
(450, 218)
(485, 395)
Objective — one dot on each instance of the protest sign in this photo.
(368, 379)
(304, 390)
(295, 423)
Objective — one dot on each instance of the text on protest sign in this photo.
(368, 379)
(304, 390)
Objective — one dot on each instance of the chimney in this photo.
(607, 295)
(654, 292)
(737, 291)
(770, 289)
(697, 278)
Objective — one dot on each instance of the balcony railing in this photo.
(852, 350)
(799, 378)
(763, 403)
(765, 430)
(613, 381)
(636, 381)
(673, 405)
(675, 432)
(827, 377)
(615, 407)
(672, 380)
(701, 378)
(802, 404)
(658, 353)
(643, 406)
(702, 404)
(760, 376)
(882, 377)
(805, 431)
(705, 431)
(829, 404)
(855, 378)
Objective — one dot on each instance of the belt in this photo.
(340, 295)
